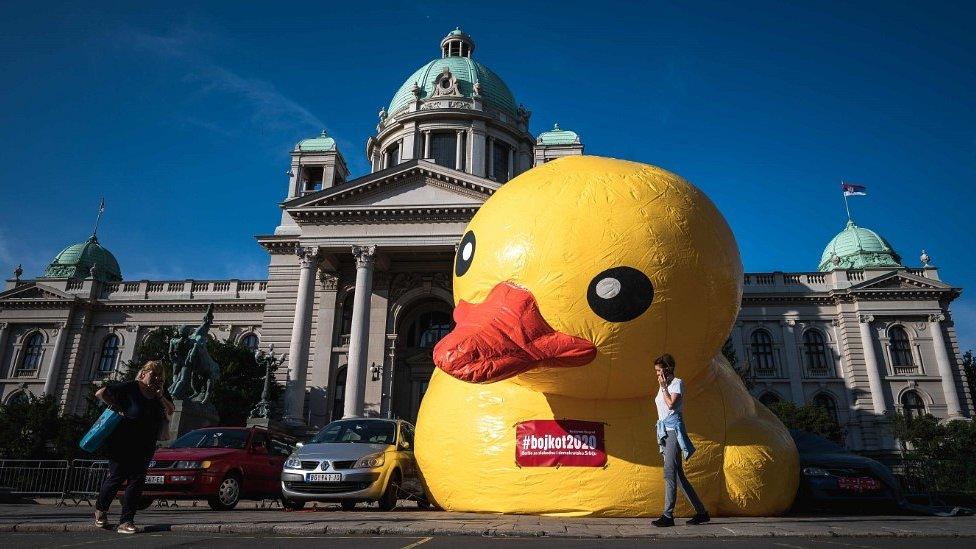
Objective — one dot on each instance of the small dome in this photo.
(558, 136)
(77, 260)
(858, 248)
(468, 72)
(322, 143)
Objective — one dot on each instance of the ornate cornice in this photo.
(399, 214)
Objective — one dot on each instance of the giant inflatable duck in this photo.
(568, 282)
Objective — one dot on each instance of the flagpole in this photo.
(98, 218)
(846, 205)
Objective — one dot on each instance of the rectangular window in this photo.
(443, 148)
(500, 161)
(393, 155)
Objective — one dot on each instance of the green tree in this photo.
(810, 418)
(35, 429)
(241, 377)
(942, 453)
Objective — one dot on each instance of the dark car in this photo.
(219, 464)
(831, 476)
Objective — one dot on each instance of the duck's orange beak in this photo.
(504, 336)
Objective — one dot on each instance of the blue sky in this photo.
(182, 116)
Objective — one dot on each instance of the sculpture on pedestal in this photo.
(194, 371)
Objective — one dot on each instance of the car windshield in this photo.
(212, 438)
(371, 431)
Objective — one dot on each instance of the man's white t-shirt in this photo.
(662, 408)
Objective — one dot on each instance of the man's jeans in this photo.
(674, 472)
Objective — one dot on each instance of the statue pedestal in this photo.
(191, 415)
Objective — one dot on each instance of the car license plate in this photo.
(324, 477)
(156, 479)
(858, 484)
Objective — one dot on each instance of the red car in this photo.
(219, 464)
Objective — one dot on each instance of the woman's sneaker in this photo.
(699, 519)
(101, 519)
(126, 528)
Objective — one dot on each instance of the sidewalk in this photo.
(248, 518)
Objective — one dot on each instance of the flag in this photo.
(853, 190)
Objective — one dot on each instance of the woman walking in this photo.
(144, 408)
(672, 437)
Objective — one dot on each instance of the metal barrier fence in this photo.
(84, 480)
(34, 477)
(79, 480)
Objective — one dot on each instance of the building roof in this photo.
(77, 260)
(493, 90)
(321, 143)
(558, 136)
(858, 248)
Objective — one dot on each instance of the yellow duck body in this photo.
(555, 232)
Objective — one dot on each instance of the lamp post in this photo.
(271, 362)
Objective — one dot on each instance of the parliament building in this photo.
(359, 282)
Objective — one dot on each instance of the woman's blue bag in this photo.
(100, 431)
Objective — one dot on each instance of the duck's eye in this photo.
(620, 294)
(465, 254)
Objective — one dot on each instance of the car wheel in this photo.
(389, 498)
(228, 494)
(423, 503)
(347, 505)
(292, 504)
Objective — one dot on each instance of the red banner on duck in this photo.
(560, 442)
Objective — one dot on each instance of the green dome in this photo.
(77, 260)
(493, 91)
(322, 143)
(858, 248)
(558, 136)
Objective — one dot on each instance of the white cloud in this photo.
(270, 109)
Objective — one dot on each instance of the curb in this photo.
(460, 530)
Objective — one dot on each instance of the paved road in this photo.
(162, 540)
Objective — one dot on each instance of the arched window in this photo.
(828, 403)
(912, 405)
(251, 342)
(762, 353)
(18, 398)
(816, 352)
(429, 328)
(768, 399)
(901, 348)
(110, 352)
(339, 397)
(33, 350)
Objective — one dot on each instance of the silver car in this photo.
(354, 460)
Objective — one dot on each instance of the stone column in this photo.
(945, 366)
(359, 333)
(426, 144)
(871, 363)
(50, 383)
(794, 362)
(459, 152)
(300, 329)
